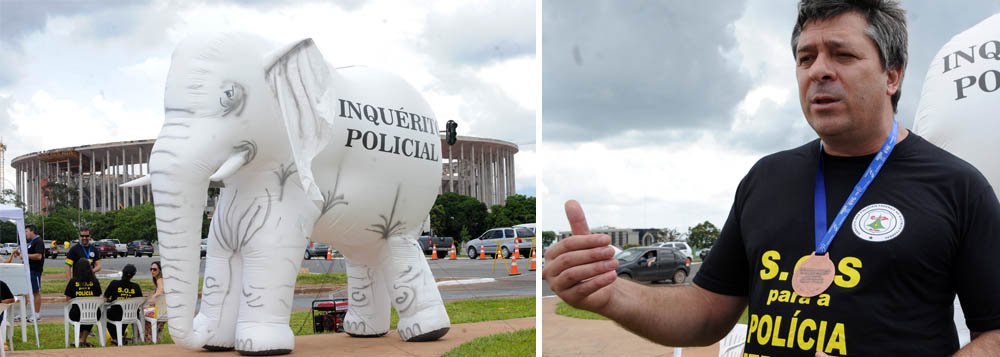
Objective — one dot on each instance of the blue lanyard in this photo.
(823, 235)
(86, 252)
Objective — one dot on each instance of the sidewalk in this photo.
(568, 336)
(329, 344)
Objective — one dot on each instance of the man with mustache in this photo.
(853, 244)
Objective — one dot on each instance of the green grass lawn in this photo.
(329, 278)
(517, 343)
(301, 322)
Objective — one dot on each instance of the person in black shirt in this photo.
(83, 284)
(919, 226)
(121, 289)
(83, 250)
(6, 296)
(36, 262)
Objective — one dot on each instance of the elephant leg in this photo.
(414, 292)
(265, 306)
(220, 299)
(368, 314)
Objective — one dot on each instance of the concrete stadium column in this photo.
(451, 171)
(142, 189)
(481, 194)
(79, 186)
(126, 192)
(93, 187)
(106, 180)
(461, 169)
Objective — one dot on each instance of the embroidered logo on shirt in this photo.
(878, 223)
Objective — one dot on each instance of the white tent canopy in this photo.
(16, 215)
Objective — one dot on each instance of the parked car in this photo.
(8, 248)
(443, 244)
(105, 249)
(502, 239)
(140, 248)
(653, 264)
(704, 253)
(683, 247)
(120, 249)
(316, 249)
(204, 247)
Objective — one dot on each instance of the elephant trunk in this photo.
(180, 192)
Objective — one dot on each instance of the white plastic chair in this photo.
(160, 316)
(6, 330)
(88, 316)
(732, 344)
(131, 310)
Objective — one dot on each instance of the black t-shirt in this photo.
(36, 246)
(5, 292)
(928, 228)
(121, 290)
(75, 289)
(77, 251)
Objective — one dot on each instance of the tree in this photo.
(8, 232)
(134, 223)
(10, 197)
(53, 228)
(703, 235)
(548, 237)
(519, 209)
(458, 212)
(59, 195)
(670, 235)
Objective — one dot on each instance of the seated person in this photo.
(121, 289)
(648, 259)
(150, 310)
(6, 296)
(83, 284)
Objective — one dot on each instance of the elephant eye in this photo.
(232, 99)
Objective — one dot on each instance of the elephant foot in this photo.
(217, 340)
(428, 324)
(357, 326)
(429, 336)
(264, 339)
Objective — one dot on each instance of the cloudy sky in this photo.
(76, 72)
(654, 110)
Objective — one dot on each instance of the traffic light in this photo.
(450, 132)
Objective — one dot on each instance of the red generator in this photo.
(328, 315)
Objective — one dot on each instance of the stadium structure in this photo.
(479, 167)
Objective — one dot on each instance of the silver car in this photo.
(502, 239)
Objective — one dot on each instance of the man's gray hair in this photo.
(886, 27)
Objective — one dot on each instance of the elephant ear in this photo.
(302, 84)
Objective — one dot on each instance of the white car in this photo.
(8, 248)
(683, 247)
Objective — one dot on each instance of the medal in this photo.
(813, 275)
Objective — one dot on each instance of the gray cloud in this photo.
(614, 66)
(473, 36)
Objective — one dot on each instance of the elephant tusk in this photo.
(142, 181)
(228, 168)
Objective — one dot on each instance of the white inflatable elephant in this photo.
(347, 156)
(959, 107)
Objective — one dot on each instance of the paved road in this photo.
(546, 291)
(503, 285)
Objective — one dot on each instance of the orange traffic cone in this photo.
(434, 252)
(329, 253)
(482, 251)
(532, 266)
(517, 242)
(451, 254)
(513, 266)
